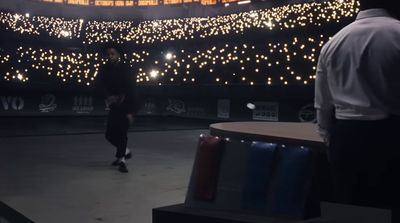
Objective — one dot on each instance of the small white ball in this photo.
(251, 106)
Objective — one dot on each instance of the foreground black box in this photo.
(9, 215)
(330, 213)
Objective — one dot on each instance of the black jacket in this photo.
(119, 79)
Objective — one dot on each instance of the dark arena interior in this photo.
(214, 81)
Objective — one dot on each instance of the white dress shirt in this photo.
(358, 72)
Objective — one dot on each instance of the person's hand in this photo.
(130, 118)
(326, 140)
(327, 143)
(111, 99)
(115, 99)
(121, 98)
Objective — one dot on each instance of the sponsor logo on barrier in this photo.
(195, 112)
(176, 106)
(83, 104)
(224, 107)
(308, 113)
(107, 105)
(14, 103)
(149, 106)
(266, 111)
(48, 103)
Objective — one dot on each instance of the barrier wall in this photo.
(218, 108)
(203, 102)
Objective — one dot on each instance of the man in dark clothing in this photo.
(118, 84)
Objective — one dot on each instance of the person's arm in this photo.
(130, 91)
(100, 87)
(323, 102)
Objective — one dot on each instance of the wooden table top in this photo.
(275, 132)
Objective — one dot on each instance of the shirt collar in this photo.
(377, 12)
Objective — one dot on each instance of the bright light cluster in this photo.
(271, 63)
(267, 63)
(41, 25)
(11, 73)
(290, 61)
(4, 58)
(16, 75)
(285, 17)
(107, 31)
(279, 18)
(82, 68)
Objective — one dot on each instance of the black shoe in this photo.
(115, 163)
(128, 156)
(122, 167)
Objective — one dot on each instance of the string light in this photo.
(279, 60)
(152, 31)
(41, 25)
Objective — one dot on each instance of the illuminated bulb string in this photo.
(147, 32)
(270, 63)
(219, 63)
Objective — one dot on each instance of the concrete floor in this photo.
(44, 126)
(69, 178)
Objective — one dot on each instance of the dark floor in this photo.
(57, 169)
(34, 126)
(68, 178)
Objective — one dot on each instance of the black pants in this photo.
(364, 157)
(117, 128)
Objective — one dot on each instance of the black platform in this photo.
(331, 213)
(180, 214)
(9, 215)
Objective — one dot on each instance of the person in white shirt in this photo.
(357, 97)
